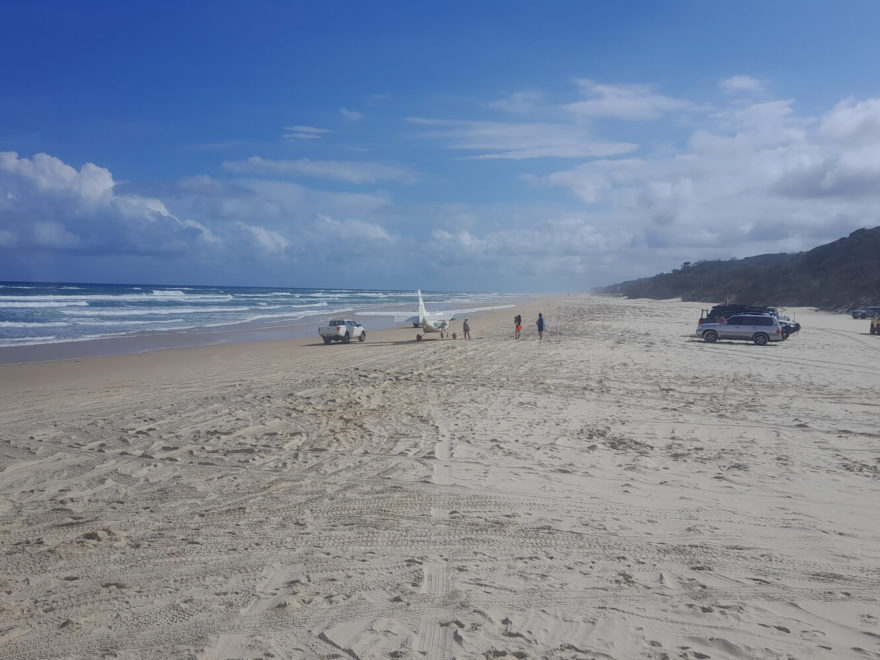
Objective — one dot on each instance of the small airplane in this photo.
(431, 321)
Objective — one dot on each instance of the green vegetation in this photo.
(836, 276)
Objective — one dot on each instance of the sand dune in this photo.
(618, 490)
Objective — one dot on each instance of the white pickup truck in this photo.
(342, 330)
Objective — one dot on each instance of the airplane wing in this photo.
(399, 317)
(417, 317)
(454, 313)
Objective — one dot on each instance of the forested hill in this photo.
(836, 276)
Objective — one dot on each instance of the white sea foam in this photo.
(115, 323)
(168, 293)
(102, 297)
(150, 311)
(32, 324)
(24, 304)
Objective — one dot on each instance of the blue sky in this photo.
(492, 146)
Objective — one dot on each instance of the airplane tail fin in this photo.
(422, 312)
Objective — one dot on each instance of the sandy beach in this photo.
(617, 490)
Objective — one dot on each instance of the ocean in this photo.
(34, 314)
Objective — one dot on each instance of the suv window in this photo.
(752, 320)
(736, 320)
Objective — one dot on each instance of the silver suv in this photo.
(759, 328)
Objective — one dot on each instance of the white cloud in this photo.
(47, 204)
(50, 175)
(350, 115)
(750, 180)
(54, 235)
(746, 178)
(304, 133)
(351, 230)
(852, 122)
(572, 138)
(520, 103)
(348, 171)
(741, 84)
(630, 102)
(266, 240)
(519, 141)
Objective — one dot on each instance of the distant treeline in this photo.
(836, 276)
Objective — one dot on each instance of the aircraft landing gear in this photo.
(418, 338)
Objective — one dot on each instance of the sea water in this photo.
(33, 313)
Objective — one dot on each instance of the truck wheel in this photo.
(326, 340)
(346, 339)
(363, 337)
(760, 339)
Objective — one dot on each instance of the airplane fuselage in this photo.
(434, 326)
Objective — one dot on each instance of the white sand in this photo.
(619, 490)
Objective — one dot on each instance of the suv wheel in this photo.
(760, 339)
(710, 336)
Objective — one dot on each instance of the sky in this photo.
(472, 146)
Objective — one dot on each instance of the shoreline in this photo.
(159, 341)
(207, 336)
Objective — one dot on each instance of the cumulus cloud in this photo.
(852, 122)
(750, 179)
(50, 175)
(48, 204)
(348, 171)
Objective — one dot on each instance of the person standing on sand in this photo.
(540, 324)
(466, 328)
(517, 322)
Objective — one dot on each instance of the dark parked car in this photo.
(865, 312)
(789, 327)
(726, 311)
